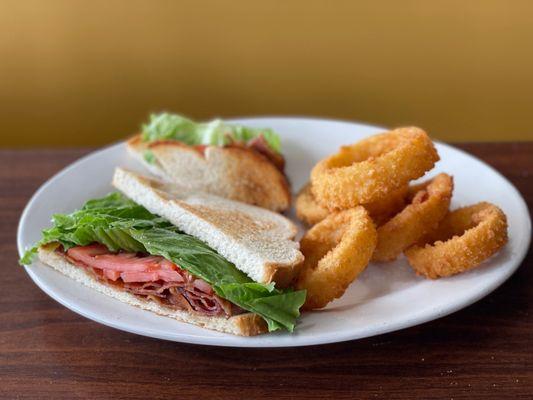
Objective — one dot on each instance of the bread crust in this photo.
(247, 324)
(234, 172)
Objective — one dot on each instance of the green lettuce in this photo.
(167, 126)
(121, 224)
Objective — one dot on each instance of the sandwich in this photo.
(195, 257)
(231, 161)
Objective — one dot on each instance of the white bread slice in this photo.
(258, 241)
(244, 324)
(233, 172)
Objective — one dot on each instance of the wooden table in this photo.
(46, 351)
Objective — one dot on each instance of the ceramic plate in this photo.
(384, 298)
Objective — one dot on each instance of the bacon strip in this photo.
(153, 277)
(260, 145)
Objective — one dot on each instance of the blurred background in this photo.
(78, 73)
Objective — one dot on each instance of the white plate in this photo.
(385, 297)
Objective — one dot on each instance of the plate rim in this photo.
(418, 319)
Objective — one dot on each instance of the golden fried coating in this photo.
(428, 206)
(383, 209)
(371, 169)
(336, 251)
(464, 239)
(310, 212)
(307, 209)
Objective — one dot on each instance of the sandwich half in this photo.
(231, 161)
(198, 258)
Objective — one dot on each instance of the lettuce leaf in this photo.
(167, 126)
(265, 300)
(121, 224)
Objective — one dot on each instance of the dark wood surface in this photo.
(46, 351)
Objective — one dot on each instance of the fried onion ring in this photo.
(307, 209)
(336, 251)
(429, 205)
(464, 239)
(383, 209)
(372, 168)
(310, 212)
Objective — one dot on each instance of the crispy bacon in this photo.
(260, 145)
(200, 148)
(152, 277)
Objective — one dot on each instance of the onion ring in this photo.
(310, 212)
(463, 240)
(372, 168)
(307, 208)
(336, 251)
(429, 205)
(383, 209)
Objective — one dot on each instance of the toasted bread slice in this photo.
(258, 241)
(247, 324)
(233, 172)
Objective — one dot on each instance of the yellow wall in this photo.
(89, 72)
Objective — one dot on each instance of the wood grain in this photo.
(46, 351)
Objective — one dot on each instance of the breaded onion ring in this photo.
(307, 209)
(429, 205)
(383, 209)
(372, 168)
(336, 251)
(310, 212)
(464, 239)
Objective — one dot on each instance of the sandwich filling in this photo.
(150, 277)
(122, 244)
(165, 126)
